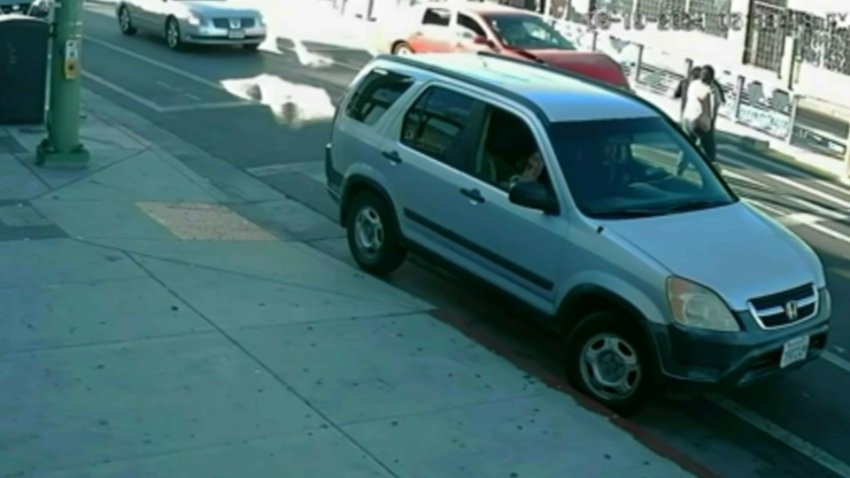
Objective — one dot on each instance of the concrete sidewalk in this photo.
(166, 317)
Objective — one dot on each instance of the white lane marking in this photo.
(743, 178)
(208, 106)
(829, 232)
(786, 169)
(818, 209)
(836, 360)
(804, 447)
(123, 91)
(167, 86)
(800, 218)
(159, 64)
(771, 209)
(815, 192)
(802, 187)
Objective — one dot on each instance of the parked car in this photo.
(565, 194)
(8, 7)
(190, 21)
(440, 28)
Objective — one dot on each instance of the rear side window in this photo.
(437, 16)
(435, 123)
(377, 93)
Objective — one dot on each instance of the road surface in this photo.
(798, 425)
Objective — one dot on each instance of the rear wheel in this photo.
(402, 48)
(373, 238)
(125, 22)
(172, 34)
(608, 360)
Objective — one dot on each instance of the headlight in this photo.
(825, 302)
(195, 19)
(695, 306)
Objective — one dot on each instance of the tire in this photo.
(373, 237)
(402, 48)
(251, 47)
(125, 23)
(623, 347)
(172, 34)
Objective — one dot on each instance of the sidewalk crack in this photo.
(268, 369)
(293, 285)
(88, 175)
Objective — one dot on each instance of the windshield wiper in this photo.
(694, 205)
(628, 213)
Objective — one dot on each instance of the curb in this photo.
(641, 434)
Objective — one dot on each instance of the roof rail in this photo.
(542, 65)
(410, 60)
(575, 75)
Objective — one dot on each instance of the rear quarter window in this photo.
(376, 94)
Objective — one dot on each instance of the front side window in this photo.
(435, 123)
(467, 23)
(527, 32)
(376, 94)
(508, 152)
(638, 167)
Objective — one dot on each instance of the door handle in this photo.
(473, 194)
(393, 156)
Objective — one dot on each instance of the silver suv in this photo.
(586, 203)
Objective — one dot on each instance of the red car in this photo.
(443, 28)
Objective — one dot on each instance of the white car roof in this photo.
(561, 97)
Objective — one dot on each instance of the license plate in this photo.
(236, 34)
(794, 351)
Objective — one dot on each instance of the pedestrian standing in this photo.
(698, 113)
(716, 97)
(681, 92)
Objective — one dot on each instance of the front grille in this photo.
(785, 308)
(225, 22)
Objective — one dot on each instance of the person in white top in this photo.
(700, 112)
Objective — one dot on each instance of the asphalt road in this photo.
(797, 425)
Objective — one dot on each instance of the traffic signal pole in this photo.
(62, 146)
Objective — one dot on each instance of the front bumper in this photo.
(716, 360)
(210, 35)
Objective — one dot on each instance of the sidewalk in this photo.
(162, 320)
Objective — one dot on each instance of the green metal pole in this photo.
(62, 146)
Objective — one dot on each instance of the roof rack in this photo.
(411, 61)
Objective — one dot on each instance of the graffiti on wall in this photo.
(765, 108)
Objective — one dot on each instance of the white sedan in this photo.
(212, 22)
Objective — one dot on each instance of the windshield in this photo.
(526, 32)
(634, 168)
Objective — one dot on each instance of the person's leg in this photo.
(690, 131)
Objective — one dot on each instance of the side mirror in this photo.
(480, 40)
(534, 195)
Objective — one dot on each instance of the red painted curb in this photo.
(641, 434)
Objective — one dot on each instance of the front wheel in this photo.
(172, 34)
(125, 23)
(373, 238)
(251, 47)
(607, 359)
